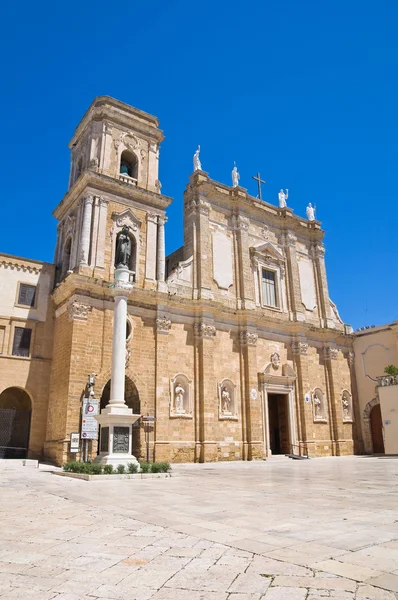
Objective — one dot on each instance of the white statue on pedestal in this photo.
(197, 166)
(179, 396)
(282, 198)
(346, 407)
(235, 176)
(310, 212)
(317, 406)
(225, 400)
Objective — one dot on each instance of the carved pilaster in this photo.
(163, 325)
(78, 311)
(299, 348)
(204, 330)
(248, 338)
(330, 353)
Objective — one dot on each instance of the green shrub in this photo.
(391, 370)
(70, 467)
(108, 469)
(132, 467)
(96, 469)
(160, 467)
(121, 469)
(145, 467)
(164, 467)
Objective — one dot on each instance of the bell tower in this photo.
(113, 183)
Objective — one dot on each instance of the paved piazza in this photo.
(275, 530)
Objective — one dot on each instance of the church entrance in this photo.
(376, 428)
(278, 423)
(15, 415)
(132, 400)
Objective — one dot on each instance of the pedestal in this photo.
(116, 436)
(117, 419)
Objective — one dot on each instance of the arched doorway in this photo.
(132, 400)
(15, 416)
(376, 429)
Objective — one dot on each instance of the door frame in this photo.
(273, 384)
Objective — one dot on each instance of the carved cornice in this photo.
(18, 267)
(299, 348)
(248, 338)
(204, 330)
(163, 325)
(78, 311)
(386, 380)
(103, 201)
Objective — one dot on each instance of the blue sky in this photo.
(304, 92)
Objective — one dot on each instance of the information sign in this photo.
(74, 442)
(89, 422)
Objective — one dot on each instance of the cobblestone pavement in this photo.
(274, 530)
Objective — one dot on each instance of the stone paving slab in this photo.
(275, 530)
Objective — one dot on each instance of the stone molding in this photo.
(330, 353)
(320, 250)
(248, 338)
(16, 266)
(385, 380)
(88, 199)
(103, 201)
(204, 330)
(201, 206)
(299, 348)
(351, 358)
(163, 325)
(77, 311)
(120, 288)
(162, 220)
(152, 218)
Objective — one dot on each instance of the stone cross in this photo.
(259, 182)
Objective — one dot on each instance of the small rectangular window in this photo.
(21, 344)
(27, 294)
(269, 288)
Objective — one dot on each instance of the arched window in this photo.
(129, 165)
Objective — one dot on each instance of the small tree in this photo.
(391, 370)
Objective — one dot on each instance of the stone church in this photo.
(232, 341)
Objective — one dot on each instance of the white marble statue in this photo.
(282, 198)
(310, 212)
(317, 406)
(225, 400)
(346, 407)
(197, 166)
(235, 176)
(179, 398)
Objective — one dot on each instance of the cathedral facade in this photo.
(232, 342)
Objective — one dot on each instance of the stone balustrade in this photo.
(127, 179)
(387, 380)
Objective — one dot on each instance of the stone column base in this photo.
(116, 436)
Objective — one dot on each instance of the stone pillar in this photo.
(163, 450)
(252, 431)
(296, 305)
(323, 291)
(162, 287)
(116, 419)
(330, 357)
(94, 232)
(303, 409)
(204, 334)
(246, 281)
(103, 213)
(151, 248)
(86, 229)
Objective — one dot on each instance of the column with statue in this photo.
(116, 419)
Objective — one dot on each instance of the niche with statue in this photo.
(227, 400)
(346, 405)
(319, 406)
(181, 396)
